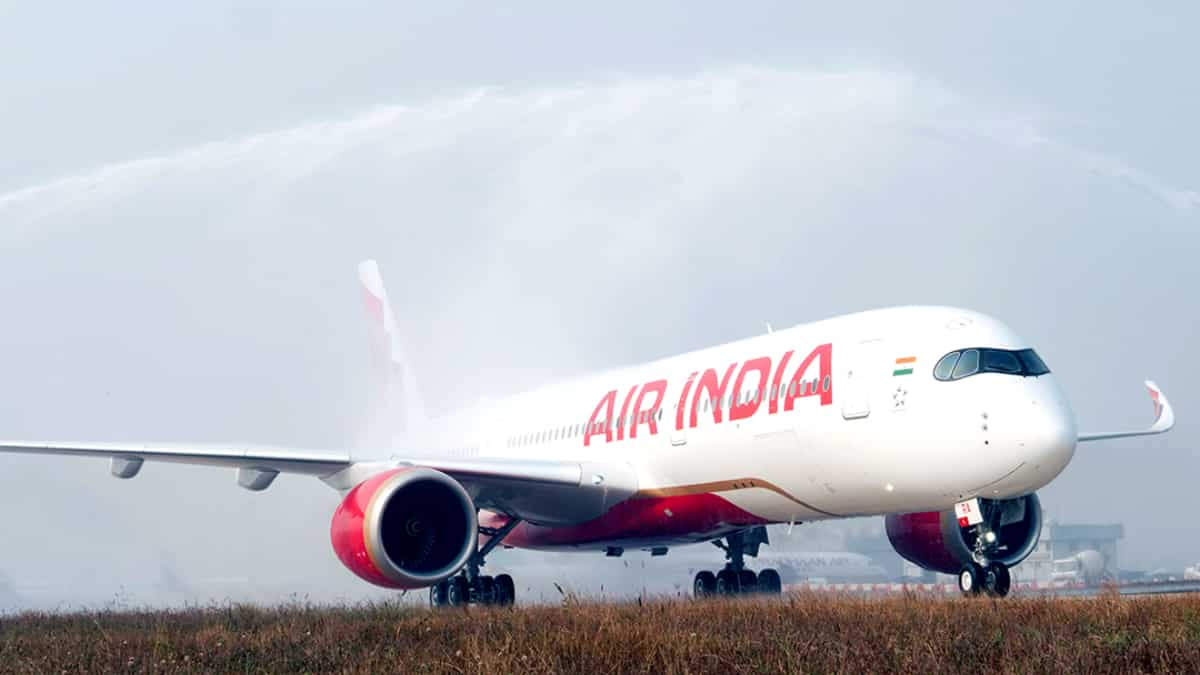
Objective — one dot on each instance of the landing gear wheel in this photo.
(727, 582)
(997, 580)
(747, 582)
(769, 582)
(487, 591)
(970, 579)
(437, 594)
(704, 585)
(505, 591)
(457, 592)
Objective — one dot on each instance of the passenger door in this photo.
(860, 373)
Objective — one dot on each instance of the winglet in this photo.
(1164, 419)
(395, 366)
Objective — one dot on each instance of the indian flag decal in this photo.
(904, 366)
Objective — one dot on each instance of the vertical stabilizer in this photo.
(398, 405)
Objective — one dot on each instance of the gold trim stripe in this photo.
(727, 486)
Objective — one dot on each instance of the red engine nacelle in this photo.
(934, 540)
(405, 528)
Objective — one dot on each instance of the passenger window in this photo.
(945, 368)
(968, 364)
(826, 383)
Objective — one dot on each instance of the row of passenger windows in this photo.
(968, 362)
(724, 403)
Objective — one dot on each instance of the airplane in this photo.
(943, 420)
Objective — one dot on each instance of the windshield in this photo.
(967, 362)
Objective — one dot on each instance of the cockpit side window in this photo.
(967, 362)
(1033, 364)
(945, 367)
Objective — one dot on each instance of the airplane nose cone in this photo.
(1049, 436)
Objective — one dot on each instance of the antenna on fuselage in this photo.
(769, 329)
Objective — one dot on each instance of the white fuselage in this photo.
(872, 433)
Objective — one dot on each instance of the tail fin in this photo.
(397, 385)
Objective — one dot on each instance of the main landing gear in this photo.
(469, 586)
(735, 579)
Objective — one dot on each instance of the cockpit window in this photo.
(945, 367)
(996, 361)
(1033, 364)
(964, 363)
(968, 364)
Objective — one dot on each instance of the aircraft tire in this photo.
(437, 595)
(487, 591)
(506, 591)
(970, 579)
(704, 585)
(457, 592)
(769, 582)
(727, 582)
(747, 582)
(997, 580)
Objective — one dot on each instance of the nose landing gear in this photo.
(993, 579)
(735, 579)
(982, 574)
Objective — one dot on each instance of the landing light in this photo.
(990, 537)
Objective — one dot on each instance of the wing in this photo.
(1164, 419)
(540, 491)
(257, 465)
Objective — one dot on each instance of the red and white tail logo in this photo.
(397, 397)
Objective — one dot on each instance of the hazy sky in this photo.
(184, 192)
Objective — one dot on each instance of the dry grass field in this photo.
(800, 633)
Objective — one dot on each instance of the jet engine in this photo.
(935, 541)
(405, 528)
